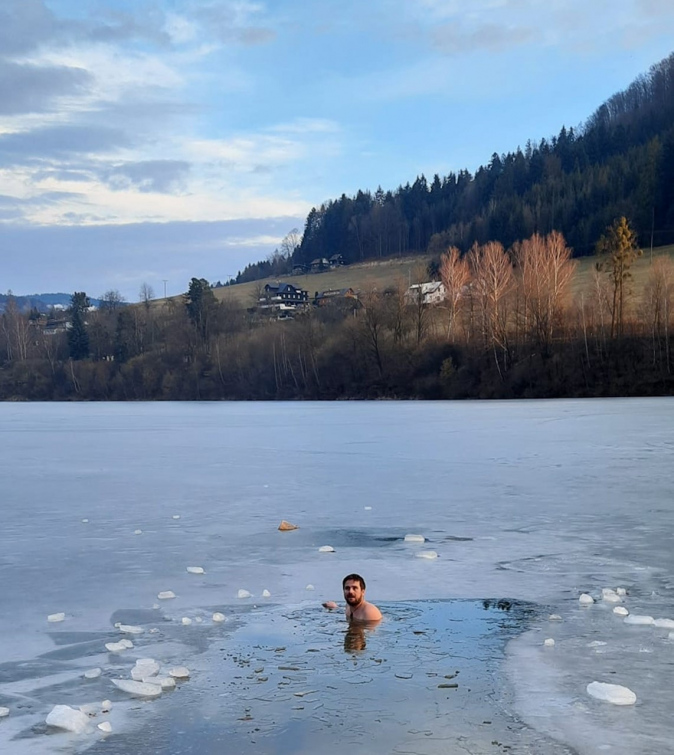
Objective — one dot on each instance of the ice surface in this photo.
(530, 500)
(611, 693)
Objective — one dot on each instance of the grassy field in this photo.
(362, 277)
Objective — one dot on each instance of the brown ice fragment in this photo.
(287, 526)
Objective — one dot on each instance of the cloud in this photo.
(234, 21)
(162, 176)
(30, 88)
(59, 142)
(24, 25)
(455, 39)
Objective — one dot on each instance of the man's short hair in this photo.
(353, 578)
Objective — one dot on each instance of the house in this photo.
(432, 292)
(333, 294)
(335, 261)
(319, 265)
(299, 270)
(280, 297)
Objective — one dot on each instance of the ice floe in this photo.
(166, 595)
(55, 617)
(137, 689)
(554, 617)
(130, 629)
(196, 570)
(367, 508)
(309, 587)
(186, 620)
(326, 549)
(664, 623)
(639, 620)
(244, 594)
(144, 668)
(610, 596)
(69, 719)
(4, 712)
(180, 672)
(138, 532)
(106, 706)
(586, 600)
(621, 591)
(105, 726)
(217, 616)
(621, 611)
(118, 647)
(266, 594)
(414, 538)
(92, 673)
(611, 693)
(176, 516)
(426, 554)
(549, 642)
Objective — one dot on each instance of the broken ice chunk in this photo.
(621, 611)
(90, 709)
(105, 726)
(137, 689)
(92, 673)
(176, 516)
(85, 521)
(180, 672)
(129, 629)
(640, 620)
(266, 594)
(144, 667)
(186, 620)
(67, 718)
(166, 595)
(611, 693)
(54, 617)
(664, 623)
(106, 706)
(196, 570)
(586, 600)
(414, 539)
(426, 554)
(326, 549)
(4, 712)
(115, 647)
(217, 616)
(243, 594)
(554, 617)
(610, 596)
(126, 643)
(549, 642)
(367, 508)
(138, 532)
(621, 591)
(309, 587)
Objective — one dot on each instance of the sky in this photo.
(152, 141)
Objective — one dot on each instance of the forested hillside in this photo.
(620, 162)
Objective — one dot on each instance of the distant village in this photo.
(283, 300)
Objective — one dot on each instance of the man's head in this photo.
(354, 589)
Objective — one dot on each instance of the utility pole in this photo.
(164, 279)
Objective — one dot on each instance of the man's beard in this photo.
(354, 602)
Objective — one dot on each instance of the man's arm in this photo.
(330, 605)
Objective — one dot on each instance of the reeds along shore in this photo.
(514, 324)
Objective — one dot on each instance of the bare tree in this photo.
(111, 300)
(455, 276)
(492, 281)
(146, 294)
(658, 304)
(545, 273)
(290, 242)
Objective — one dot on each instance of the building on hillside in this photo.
(332, 295)
(282, 297)
(319, 265)
(432, 292)
(336, 261)
(299, 270)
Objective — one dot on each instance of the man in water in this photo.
(357, 608)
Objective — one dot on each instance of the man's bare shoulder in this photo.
(368, 612)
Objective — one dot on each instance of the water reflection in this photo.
(355, 638)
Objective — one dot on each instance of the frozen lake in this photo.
(529, 502)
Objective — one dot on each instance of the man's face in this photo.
(353, 592)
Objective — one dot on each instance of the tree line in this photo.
(620, 162)
(514, 323)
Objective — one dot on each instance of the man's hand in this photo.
(330, 605)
